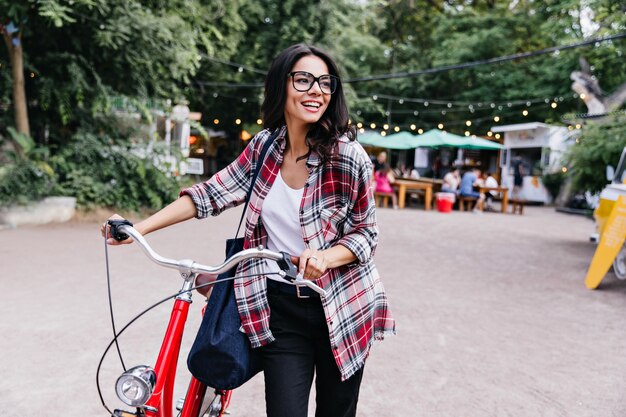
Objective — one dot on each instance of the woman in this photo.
(384, 178)
(312, 198)
(451, 181)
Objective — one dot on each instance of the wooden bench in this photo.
(517, 206)
(466, 199)
(382, 199)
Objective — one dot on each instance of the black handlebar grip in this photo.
(288, 267)
(115, 232)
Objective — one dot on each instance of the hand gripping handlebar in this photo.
(123, 229)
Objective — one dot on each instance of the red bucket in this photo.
(445, 201)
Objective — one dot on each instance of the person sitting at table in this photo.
(451, 181)
(384, 178)
(490, 182)
(402, 171)
(470, 180)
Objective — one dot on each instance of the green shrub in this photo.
(553, 182)
(600, 144)
(25, 175)
(24, 181)
(100, 172)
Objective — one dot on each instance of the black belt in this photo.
(298, 291)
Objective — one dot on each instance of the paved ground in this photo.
(493, 317)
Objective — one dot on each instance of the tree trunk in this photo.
(19, 91)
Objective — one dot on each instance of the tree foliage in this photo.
(599, 146)
(82, 57)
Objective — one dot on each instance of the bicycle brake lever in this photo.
(292, 275)
(115, 232)
(285, 264)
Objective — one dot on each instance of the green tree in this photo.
(600, 144)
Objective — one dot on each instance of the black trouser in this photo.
(302, 348)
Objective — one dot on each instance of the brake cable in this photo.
(106, 261)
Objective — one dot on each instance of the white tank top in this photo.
(280, 216)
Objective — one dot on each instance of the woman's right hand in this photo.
(105, 229)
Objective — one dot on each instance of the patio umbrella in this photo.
(430, 139)
(402, 140)
(436, 138)
(370, 138)
(480, 143)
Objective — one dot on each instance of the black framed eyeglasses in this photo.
(303, 81)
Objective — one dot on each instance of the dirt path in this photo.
(493, 317)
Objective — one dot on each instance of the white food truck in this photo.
(539, 147)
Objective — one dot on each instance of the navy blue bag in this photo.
(221, 356)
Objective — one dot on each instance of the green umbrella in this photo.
(402, 140)
(480, 143)
(370, 138)
(435, 138)
(430, 139)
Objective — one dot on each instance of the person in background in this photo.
(491, 182)
(518, 175)
(436, 167)
(384, 178)
(470, 180)
(402, 171)
(451, 181)
(381, 161)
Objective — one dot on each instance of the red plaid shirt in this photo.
(337, 209)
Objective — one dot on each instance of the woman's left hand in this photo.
(312, 264)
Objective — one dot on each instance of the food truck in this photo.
(538, 147)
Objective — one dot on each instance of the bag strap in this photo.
(266, 146)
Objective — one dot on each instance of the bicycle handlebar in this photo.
(121, 229)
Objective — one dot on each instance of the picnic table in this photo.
(505, 195)
(405, 185)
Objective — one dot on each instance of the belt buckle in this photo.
(301, 295)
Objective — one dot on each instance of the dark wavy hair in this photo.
(323, 135)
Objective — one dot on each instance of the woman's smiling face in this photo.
(306, 107)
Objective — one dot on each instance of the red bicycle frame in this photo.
(161, 403)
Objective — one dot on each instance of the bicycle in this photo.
(150, 389)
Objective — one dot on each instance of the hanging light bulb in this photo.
(259, 121)
(525, 112)
(440, 125)
(467, 133)
(396, 129)
(468, 123)
(237, 121)
(413, 127)
(383, 133)
(420, 131)
(496, 119)
(216, 121)
(373, 126)
(553, 105)
(385, 126)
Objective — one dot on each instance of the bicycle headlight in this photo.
(134, 387)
